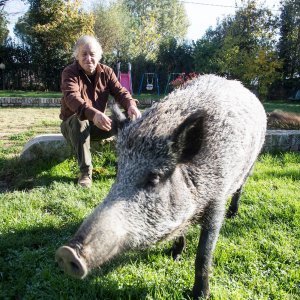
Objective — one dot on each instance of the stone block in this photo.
(49, 146)
(46, 146)
(30, 102)
(282, 140)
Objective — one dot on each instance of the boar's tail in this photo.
(118, 117)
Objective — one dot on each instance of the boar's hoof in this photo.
(178, 247)
(69, 261)
(231, 214)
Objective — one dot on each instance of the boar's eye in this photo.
(153, 179)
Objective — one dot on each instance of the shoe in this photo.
(85, 180)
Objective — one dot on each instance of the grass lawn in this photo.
(29, 94)
(257, 255)
(291, 106)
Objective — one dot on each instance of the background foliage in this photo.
(255, 45)
(49, 29)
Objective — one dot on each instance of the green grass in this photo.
(257, 254)
(290, 106)
(29, 94)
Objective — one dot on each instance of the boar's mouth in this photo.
(70, 262)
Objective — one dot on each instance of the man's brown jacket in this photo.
(84, 95)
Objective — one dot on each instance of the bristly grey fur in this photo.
(177, 165)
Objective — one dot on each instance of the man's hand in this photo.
(102, 121)
(133, 112)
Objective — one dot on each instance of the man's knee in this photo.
(73, 127)
(78, 125)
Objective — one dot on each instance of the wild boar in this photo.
(177, 165)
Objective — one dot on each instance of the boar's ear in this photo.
(188, 137)
(119, 119)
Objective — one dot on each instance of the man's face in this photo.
(88, 58)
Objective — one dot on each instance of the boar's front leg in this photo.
(208, 237)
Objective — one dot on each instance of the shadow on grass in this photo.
(20, 175)
(16, 174)
(28, 269)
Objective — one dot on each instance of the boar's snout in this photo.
(68, 260)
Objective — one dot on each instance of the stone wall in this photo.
(47, 102)
(282, 140)
(54, 145)
(29, 102)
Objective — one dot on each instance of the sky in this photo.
(201, 13)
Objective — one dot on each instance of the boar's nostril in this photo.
(69, 261)
(74, 267)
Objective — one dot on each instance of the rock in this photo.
(49, 146)
(46, 146)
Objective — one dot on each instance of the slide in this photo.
(126, 81)
(125, 78)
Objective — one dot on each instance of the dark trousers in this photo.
(79, 135)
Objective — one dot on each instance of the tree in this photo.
(66, 23)
(289, 42)
(50, 28)
(206, 51)
(154, 21)
(18, 67)
(246, 43)
(3, 23)
(112, 27)
(2, 3)
(174, 57)
(138, 31)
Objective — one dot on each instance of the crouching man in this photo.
(86, 85)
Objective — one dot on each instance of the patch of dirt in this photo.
(17, 121)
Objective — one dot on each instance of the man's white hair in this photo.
(87, 39)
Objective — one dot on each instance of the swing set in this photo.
(151, 82)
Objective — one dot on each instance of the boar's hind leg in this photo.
(207, 241)
(178, 247)
(234, 204)
(235, 199)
